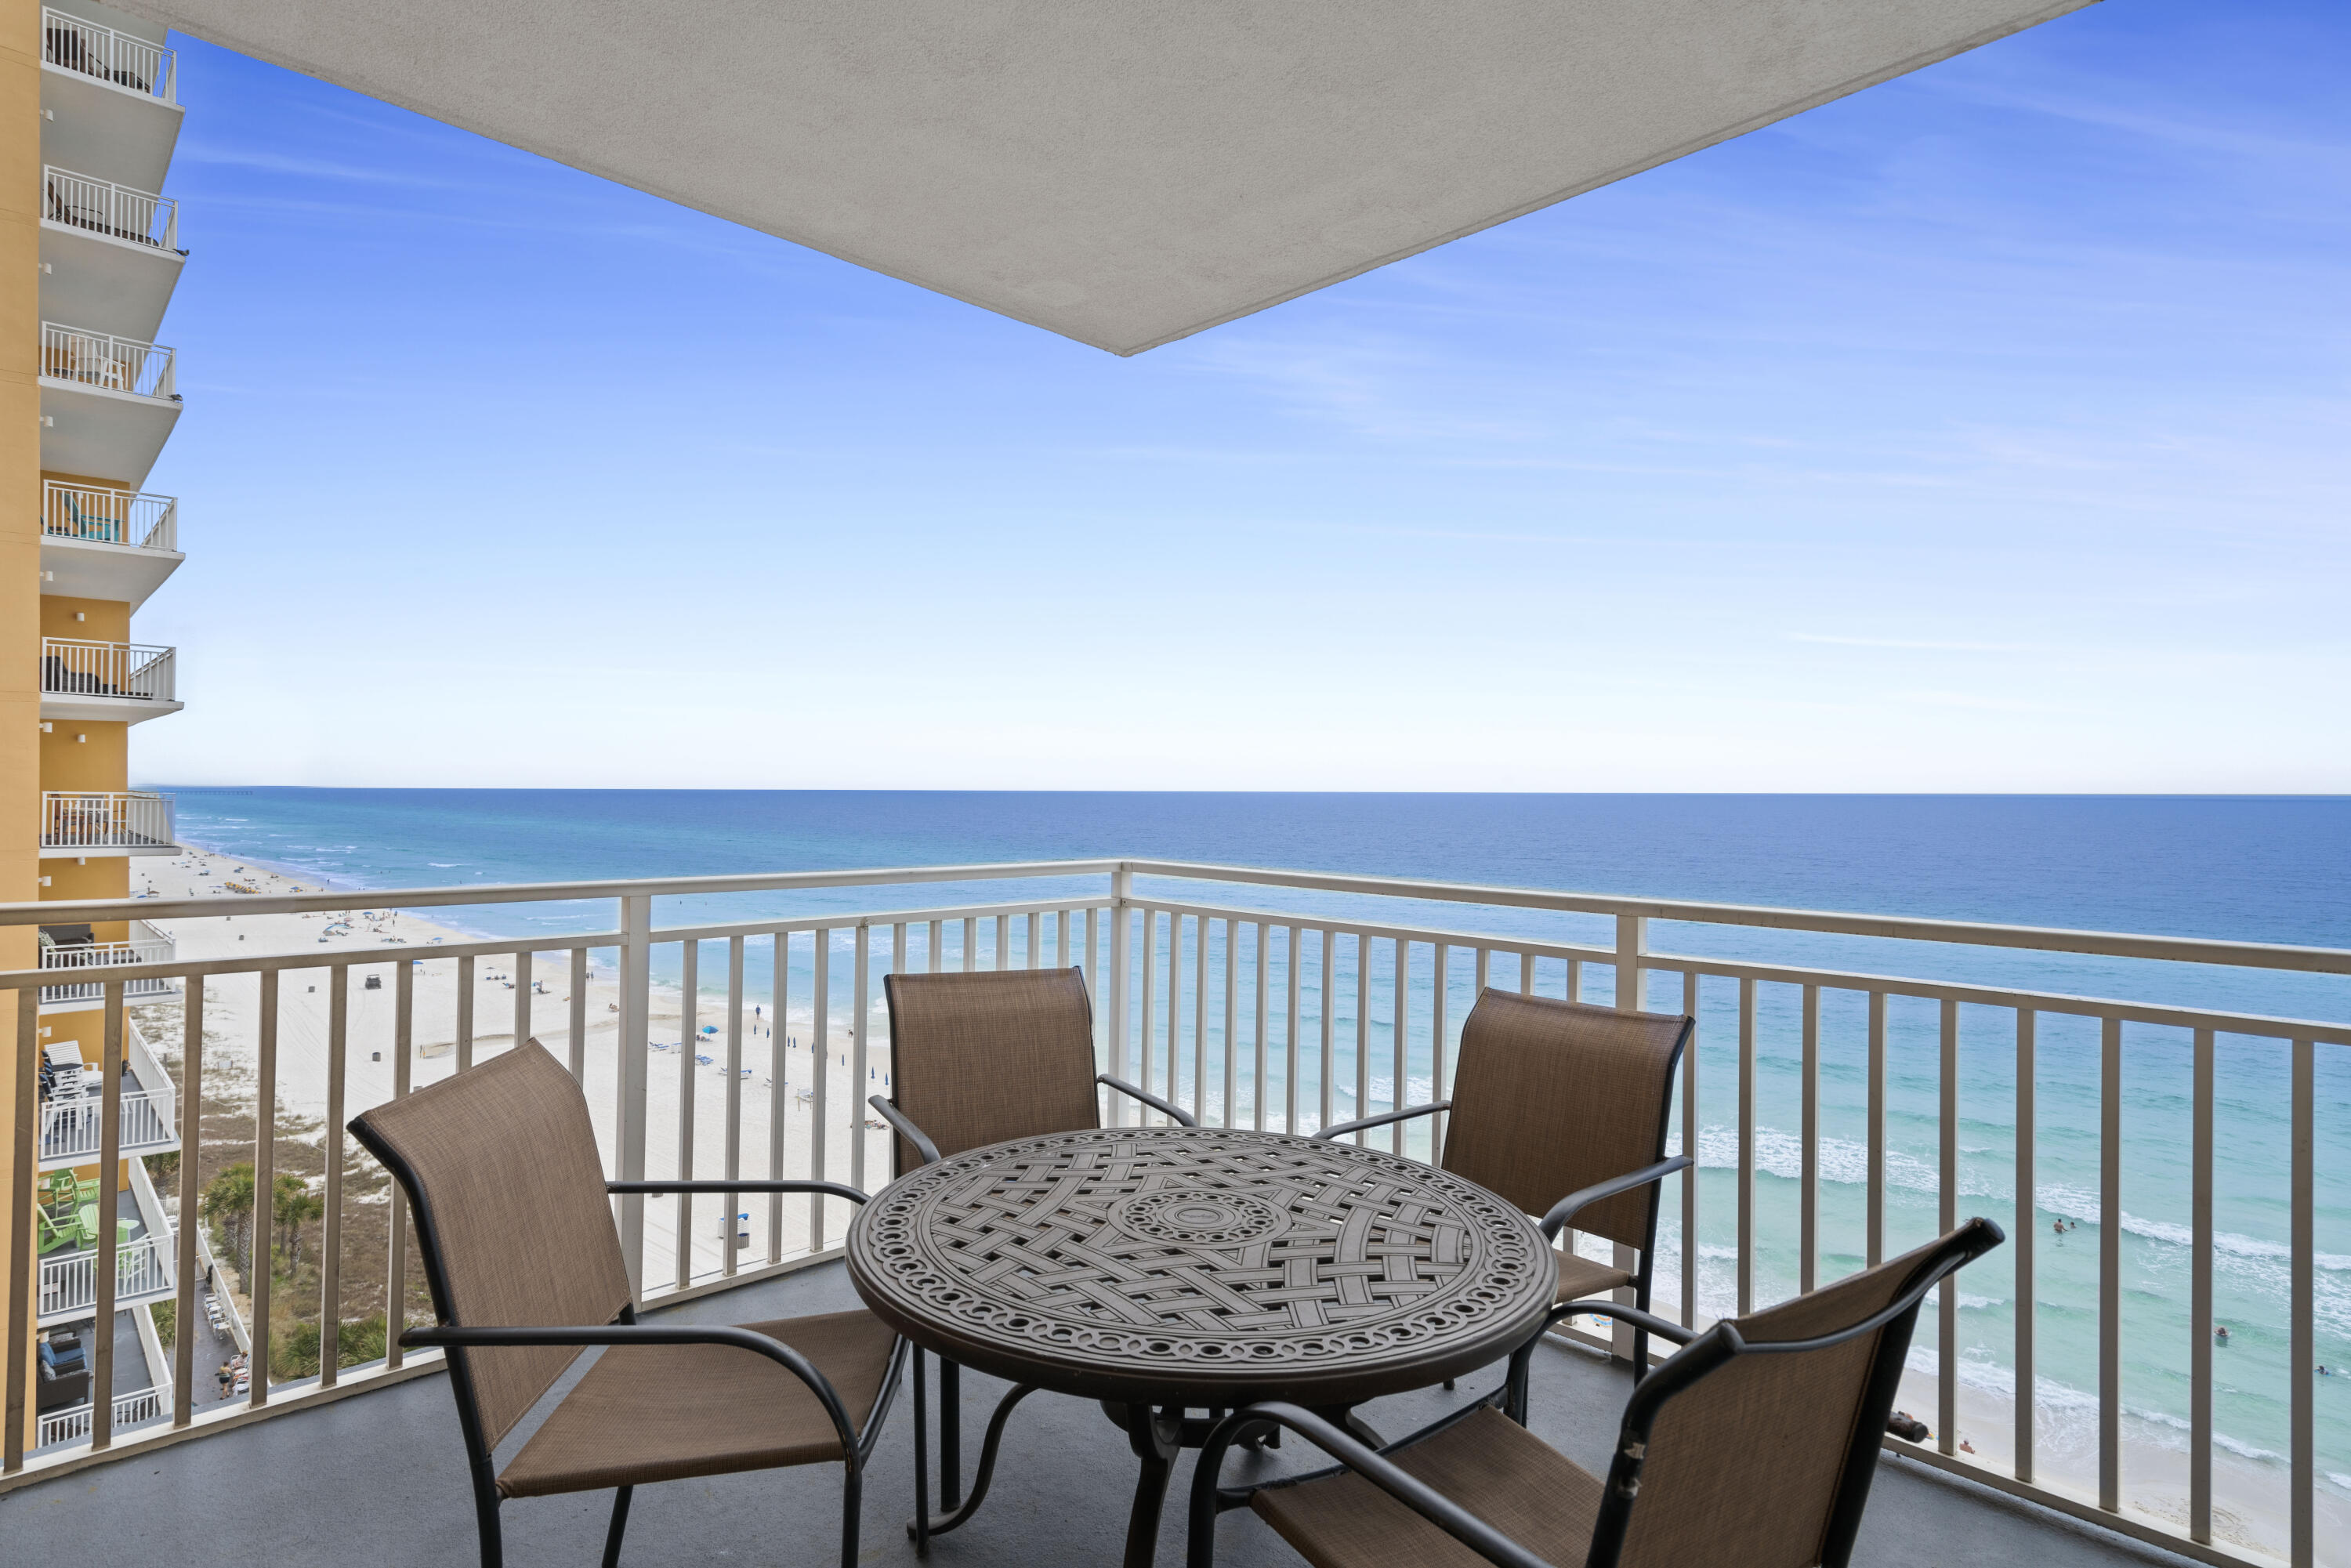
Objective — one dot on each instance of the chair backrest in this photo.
(979, 1058)
(1764, 1458)
(501, 1169)
(1552, 1096)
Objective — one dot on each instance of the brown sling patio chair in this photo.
(1561, 1108)
(981, 1057)
(501, 1169)
(1755, 1444)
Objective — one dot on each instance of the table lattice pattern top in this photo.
(1168, 1262)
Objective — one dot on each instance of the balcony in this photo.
(102, 543)
(105, 822)
(107, 403)
(113, 99)
(1856, 1081)
(145, 1265)
(110, 252)
(116, 682)
(146, 945)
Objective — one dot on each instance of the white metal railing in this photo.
(1825, 1103)
(71, 1128)
(148, 946)
(106, 208)
(72, 666)
(101, 516)
(130, 1410)
(102, 359)
(142, 1271)
(118, 60)
(105, 820)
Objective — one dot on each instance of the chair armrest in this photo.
(461, 1336)
(1564, 1209)
(746, 1183)
(1183, 1117)
(1601, 1307)
(1339, 1128)
(1418, 1495)
(907, 1128)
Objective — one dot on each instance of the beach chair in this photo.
(516, 1305)
(1756, 1443)
(1562, 1108)
(979, 1058)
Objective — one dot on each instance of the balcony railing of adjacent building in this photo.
(99, 516)
(115, 211)
(104, 360)
(118, 60)
(146, 945)
(142, 1273)
(1288, 1001)
(130, 1410)
(73, 1125)
(105, 820)
(72, 666)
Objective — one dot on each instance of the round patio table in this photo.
(1168, 1269)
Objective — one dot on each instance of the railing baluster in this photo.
(689, 1044)
(1363, 1036)
(1122, 919)
(1437, 1074)
(1399, 1057)
(19, 1311)
(1175, 998)
(860, 1019)
(1293, 952)
(821, 1069)
(1746, 1146)
(1003, 942)
(331, 1238)
(2024, 1239)
(265, 1187)
(1200, 1019)
(780, 1088)
(2199, 1293)
(1330, 972)
(971, 944)
(1526, 974)
(192, 1104)
(107, 1266)
(1947, 1210)
(1258, 1029)
(2110, 1266)
(2302, 1363)
(522, 1023)
(1688, 1178)
(576, 1020)
(1808, 1186)
(396, 1282)
(1876, 1225)
(731, 1232)
(1224, 1117)
(465, 1013)
(1139, 1070)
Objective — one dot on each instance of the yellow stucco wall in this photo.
(102, 619)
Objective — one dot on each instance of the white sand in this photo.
(232, 1012)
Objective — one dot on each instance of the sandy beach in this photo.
(232, 1012)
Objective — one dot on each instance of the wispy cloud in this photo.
(1921, 644)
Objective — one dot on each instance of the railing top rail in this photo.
(101, 642)
(52, 170)
(1915, 928)
(103, 337)
(1902, 927)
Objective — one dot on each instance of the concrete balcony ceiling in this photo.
(1122, 175)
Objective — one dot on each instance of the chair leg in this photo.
(619, 1527)
(486, 1517)
(852, 1500)
(920, 1528)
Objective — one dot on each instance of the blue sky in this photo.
(1983, 431)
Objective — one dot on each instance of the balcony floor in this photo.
(379, 1479)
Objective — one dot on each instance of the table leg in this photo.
(950, 1434)
(1155, 1442)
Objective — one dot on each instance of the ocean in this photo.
(2257, 869)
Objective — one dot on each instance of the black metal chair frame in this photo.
(1701, 1355)
(1566, 1210)
(454, 1339)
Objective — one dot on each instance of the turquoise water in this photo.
(2261, 869)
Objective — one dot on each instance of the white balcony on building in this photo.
(107, 403)
(117, 682)
(82, 823)
(110, 253)
(110, 88)
(145, 1265)
(72, 949)
(103, 543)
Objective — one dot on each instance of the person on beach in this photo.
(2220, 1333)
